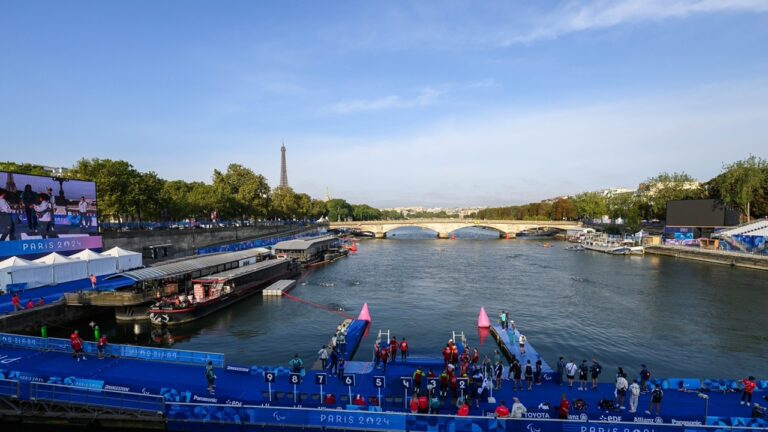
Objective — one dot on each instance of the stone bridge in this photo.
(444, 227)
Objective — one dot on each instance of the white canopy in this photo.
(126, 260)
(98, 264)
(65, 269)
(19, 270)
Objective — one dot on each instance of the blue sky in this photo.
(443, 103)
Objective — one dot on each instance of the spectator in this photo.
(595, 370)
(645, 375)
(656, 396)
(518, 409)
(749, 387)
(570, 371)
(101, 345)
(560, 371)
(621, 390)
(41, 302)
(30, 304)
(323, 354)
(634, 394)
(501, 411)
(565, 406)
(210, 377)
(330, 399)
(16, 302)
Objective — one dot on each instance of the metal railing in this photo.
(10, 388)
(124, 401)
(334, 419)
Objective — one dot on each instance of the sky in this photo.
(398, 103)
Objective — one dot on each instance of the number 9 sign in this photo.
(269, 377)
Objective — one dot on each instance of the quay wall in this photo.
(54, 314)
(186, 241)
(733, 259)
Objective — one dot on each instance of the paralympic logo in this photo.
(531, 428)
(277, 416)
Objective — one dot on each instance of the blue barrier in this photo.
(104, 398)
(185, 416)
(125, 351)
(9, 388)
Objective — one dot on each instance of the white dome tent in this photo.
(126, 260)
(98, 264)
(65, 269)
(18, 270)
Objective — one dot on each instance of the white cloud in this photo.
(425, 97)
(578, 16)
(504, 157)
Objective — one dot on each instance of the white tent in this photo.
(65, 269)
(98, 264)
(126, 260)
(19, 270)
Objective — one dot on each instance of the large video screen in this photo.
(700, 213)
(40, 215)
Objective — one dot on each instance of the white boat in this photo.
(602, 243)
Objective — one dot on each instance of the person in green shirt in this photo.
(210, 376)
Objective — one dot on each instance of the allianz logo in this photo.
(649, 420)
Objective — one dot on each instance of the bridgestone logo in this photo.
(116, 388)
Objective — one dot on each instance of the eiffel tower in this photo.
(283, 168)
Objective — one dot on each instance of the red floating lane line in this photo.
(319, 306)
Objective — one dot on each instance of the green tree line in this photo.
(741, 185)
(126, 194)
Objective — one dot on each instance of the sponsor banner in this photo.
(95, 385)
(238, 369)
(46, 246)
(169, 355)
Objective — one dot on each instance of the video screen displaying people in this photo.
(36, 207)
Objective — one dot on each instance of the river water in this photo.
(682, 318)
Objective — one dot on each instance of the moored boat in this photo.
(219, 290)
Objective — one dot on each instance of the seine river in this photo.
(681, 318)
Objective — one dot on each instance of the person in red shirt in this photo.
(77, 346)
(414, 405)
(101, 345)
(447, 354)
(393, 349)
(376, 355)
(463, 410)
(423, 404)
(475, 356)
(330, 399)
(30, 304)
(403, 350)
(454, 354)
(565, 406)
(749, 387)
(41, 302)
(384, 358)
(502, 411)
(358, 400)
(16, 302)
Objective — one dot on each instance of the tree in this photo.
(319, 209)
(625, 206)
(742, 182)
(285, 203)
(240, 192)
(338, 210)
(364, 212)
(658, 191)
(563, 209)
(115, 183)
(590, 205)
